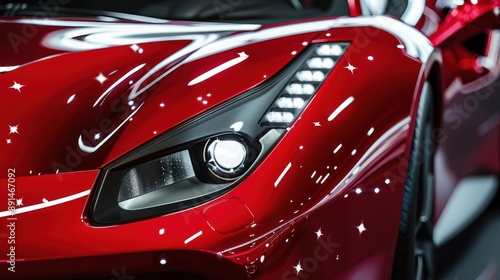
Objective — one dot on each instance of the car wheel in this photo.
(414, 257)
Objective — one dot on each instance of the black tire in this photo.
(414, 258)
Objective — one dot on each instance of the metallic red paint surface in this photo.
(335, 214)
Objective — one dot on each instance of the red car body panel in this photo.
(336, 214)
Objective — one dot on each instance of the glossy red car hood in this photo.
(82, 94)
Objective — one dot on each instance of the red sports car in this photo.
(239, 139)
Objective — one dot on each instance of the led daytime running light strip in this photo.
(304, 84)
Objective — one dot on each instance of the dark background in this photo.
(475, 253)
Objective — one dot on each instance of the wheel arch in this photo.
(434, 75)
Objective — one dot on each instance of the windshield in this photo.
(246, 11)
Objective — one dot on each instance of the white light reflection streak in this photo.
(8, 68)
(102, 35)
(71, 98)
(324, 179)
(319, 179)
(370, 132)
(337, 149)
(91, 150)
(224, 66)
(282, 174)
(106, 93)
(45, 204)
(341, 108)
(198, 42)
(417, 45)
(211, 45)
(242, 39)
(196, 235)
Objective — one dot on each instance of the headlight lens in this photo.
(207, 157)
(226, 158)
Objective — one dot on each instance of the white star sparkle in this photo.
(298, 268)
(319, 233)
(9, 141)
(14, 129)
(361, 228)
(350, 68)
(19, 202)
(17, 86)
(317, 124)
(101, 78)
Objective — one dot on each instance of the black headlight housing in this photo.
(209, 155)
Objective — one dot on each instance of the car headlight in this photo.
(207, 157)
